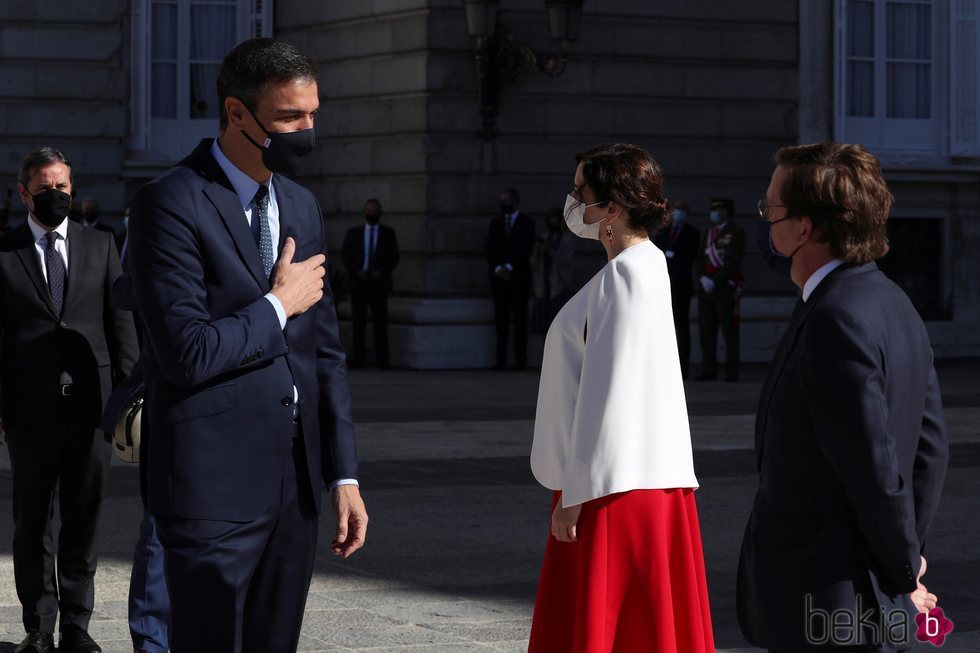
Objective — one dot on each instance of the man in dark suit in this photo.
(247, 409)
(63, 347)
(719, 269)
(850, 437)
(680, 246)
(370, 254)
(510, 243)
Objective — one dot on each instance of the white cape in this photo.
(611, 414)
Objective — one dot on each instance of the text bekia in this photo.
(858, 626)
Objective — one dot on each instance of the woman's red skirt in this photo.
(634, 581)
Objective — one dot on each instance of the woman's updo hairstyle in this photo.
(628, 175)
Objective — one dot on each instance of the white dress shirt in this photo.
(41, 245)
(370, 243)
(611, 414)
(818, 276)
(245, 187)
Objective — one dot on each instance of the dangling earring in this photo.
(609, 232)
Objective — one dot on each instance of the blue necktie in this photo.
(260, 228)
(55, 267)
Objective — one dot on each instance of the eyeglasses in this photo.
(764, 207)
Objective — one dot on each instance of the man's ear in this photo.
(22, 192)
(806, 230)
(235, 110)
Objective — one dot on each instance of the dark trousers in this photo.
(76, 462)
(714, 311)
(149, 601)
(366, 295)
(241, 586)
(680, 299)
(510, 300)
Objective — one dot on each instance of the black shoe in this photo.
(706, 376)
(76, 640)
(36, 642)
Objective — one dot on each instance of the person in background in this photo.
(679, 243)
(370, 254)
(719, 270)
(64, 346)
(623, 569)
(510, 242)
(90, 218)
(552, 271)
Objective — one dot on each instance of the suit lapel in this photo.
(287, 212)
(230, 209)
(27, 254)
(78, 248)
(360, 246)
(226, 202)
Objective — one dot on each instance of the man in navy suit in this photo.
(510, 243)
(247, 407)
(850, 437)
(370, 254)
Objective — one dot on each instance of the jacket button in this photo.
(63, 325)
(287, 401)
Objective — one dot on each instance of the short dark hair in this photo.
(841, 189)
(628, 175)
(515, 196)
(253, 64)
(376, 202)
(42, 156)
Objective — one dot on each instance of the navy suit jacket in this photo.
(219, 369)
(852, 451)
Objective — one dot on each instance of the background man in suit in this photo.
(510, 242)
(679, 243)
(247, 407)
(720, 269)
(370, 254)
(850, 437)
(63, 346)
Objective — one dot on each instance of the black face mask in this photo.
(777, 262)
(283, 152)
(372, 219)
(51, 207)
(506, 209)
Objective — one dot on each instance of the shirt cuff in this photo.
(280, 311)
(343, 481)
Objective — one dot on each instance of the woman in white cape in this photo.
(623, 568)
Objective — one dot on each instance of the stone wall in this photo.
(710, 88)
(63, 84)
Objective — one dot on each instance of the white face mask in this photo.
(575, 219)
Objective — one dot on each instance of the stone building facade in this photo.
(711, 88)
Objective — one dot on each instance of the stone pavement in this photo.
(459, 525)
